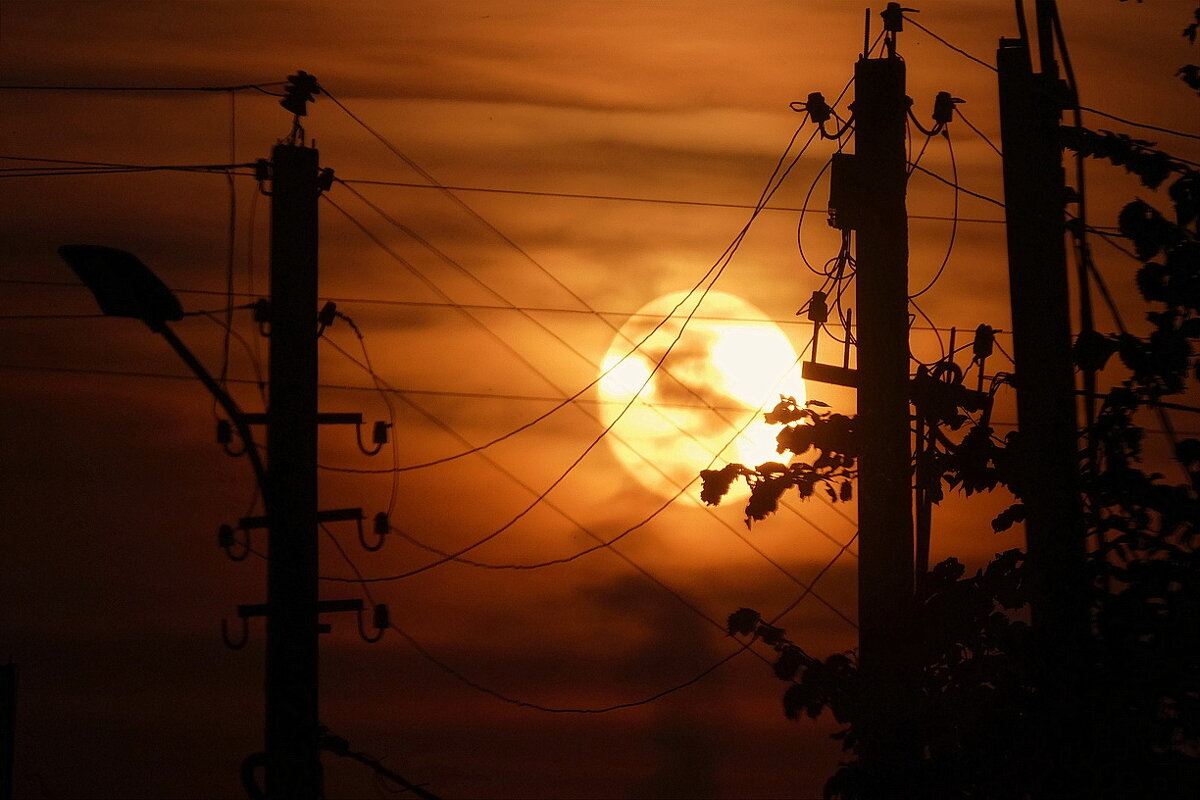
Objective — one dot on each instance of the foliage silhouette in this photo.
(979, 695)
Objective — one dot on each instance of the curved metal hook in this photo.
(380, 619)
(228, 542)
(381, 530)
(238, 645)
(252, 764)
(379, 438)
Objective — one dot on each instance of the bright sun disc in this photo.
(683, 418)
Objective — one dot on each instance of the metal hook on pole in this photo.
(380, 620)
(382, 527)
(228, 541)
(241, 642)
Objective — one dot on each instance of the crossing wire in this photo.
(953, 227)
(1097, 112)
(542, 500)
(103, 168)
(650, 463)
(771, 186)
(458, 675)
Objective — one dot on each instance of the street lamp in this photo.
(125, 287)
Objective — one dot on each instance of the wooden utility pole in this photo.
(1035, 195)
(885, 586)
(292, 737)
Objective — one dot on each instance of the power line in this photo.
(773, 183)
(245, 86)
(744, 647)
(958, 50)
(979, 133)
(953, 228)
(483, 306)
(1139, 124)
(739, 430)
(1097, 112)
(955, 184)
(448, 429)
(111, 168)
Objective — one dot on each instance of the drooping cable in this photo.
(953, 225)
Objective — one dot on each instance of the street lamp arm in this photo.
(222, 397)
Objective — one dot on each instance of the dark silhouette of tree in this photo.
(1140, 730)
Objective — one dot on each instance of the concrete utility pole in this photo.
(8, 727)
(292, 738)
(1035, 195)
(885, 520)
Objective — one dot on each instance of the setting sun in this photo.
(728, 364)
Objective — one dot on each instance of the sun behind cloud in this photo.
(703, 405)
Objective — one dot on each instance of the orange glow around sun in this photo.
(704, 405)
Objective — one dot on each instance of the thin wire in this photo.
(979, 133)
(653, 465)
(962, 189)
(538, 323)
(441, 424)
(241, 87)
(568, 400)
(941, 344)
(120, 168)
(743, 647)
(1139, 124)
(231, 244)
(912, 163)
(958, 50)
(774, 181)
(255, 361)
(391, 410)
(575, 463)
(626, 199)
(800, 223)
(953, 228)
(771, 187)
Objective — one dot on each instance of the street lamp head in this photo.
(122, 284)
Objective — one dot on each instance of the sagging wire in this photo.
(609, 542)
(460, 268)
(821, 112)
(779, 173)
(231, 244)
(571, 467)
(252, 356)
(577, 524)
(563, 403)
(800, 223)
(743, 647)
(937, 333)
(394, 495)
(953, 225)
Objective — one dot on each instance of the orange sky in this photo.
(112, 587)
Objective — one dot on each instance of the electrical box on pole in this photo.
(292, 735)
(885, 588)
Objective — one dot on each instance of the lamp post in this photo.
(125, 287)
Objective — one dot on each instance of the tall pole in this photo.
(885, 519)
(292, 759)
(1035, 194)
(8, 728)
